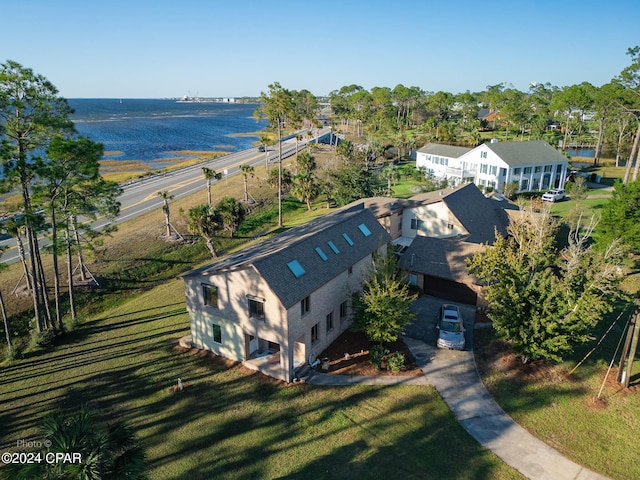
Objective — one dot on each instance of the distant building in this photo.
(532, 165)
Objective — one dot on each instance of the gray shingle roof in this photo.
(450, 151)
(481, 216)
(270, 257)
(440, 257)
(532, 152)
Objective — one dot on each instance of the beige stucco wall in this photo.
(323, 301)
(232, 313)
(436, 218)
(288, 328)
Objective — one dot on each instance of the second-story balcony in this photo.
(460, 173)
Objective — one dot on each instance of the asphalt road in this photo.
(141, 196)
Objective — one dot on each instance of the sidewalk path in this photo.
(456, 378)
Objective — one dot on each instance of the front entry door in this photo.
(253, 344)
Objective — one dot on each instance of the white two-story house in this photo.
(532, 165)
(278, 304)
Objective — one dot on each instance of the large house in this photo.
(278, 304)
(532, 165)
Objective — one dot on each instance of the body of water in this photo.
(150, 130)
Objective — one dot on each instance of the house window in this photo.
(559, 168)
(483, 154)
(416, 224)
(538, 169)
(343, 310)
(315, 333)
(547, 168)
(413, 279)
(516, 171)
(503, 172)
(348, 239)
(210, 294)
(256, 307)
(493, 170)
(527, 170)
(329, 322)
(483, 168)
(216, 333)
(333, 247)
(305, 305)
(525, 184)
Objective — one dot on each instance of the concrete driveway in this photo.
(427, 309)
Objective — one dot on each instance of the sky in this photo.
(234, 48)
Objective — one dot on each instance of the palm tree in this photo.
(111, 452)
(232, 213)
(298, 139)
(209, 175)
(165, 209)
(391, 173)
(246, 171)
(206, 222)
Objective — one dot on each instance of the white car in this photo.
(450, 329)
(554, 195)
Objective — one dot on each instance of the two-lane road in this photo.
(140, 197)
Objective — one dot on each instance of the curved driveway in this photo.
(455, 376)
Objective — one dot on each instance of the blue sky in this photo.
(161, 48)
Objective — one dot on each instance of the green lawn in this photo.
(591, 205)
(564, 410)
(230, 422)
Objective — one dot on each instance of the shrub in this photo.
(377, 353)
(395, 362)
(41, 339)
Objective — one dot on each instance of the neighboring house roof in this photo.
(482, 113)
(272, 256)
(380, 206)
(440, 257)
(481, 216)
(450, 151)
(532, 152)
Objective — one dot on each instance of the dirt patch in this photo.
(495, 355)
(349, 355)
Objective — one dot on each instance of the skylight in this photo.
(322, 255)
(297, 269)
(333, 247)
(348, 239)
(365, 231)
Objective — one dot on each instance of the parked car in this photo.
(450, 328)
(261, 148)
(554, 195)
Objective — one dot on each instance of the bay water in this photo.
(153, 131)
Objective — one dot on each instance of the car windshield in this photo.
(451, 325)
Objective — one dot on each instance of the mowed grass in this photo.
(230, 422)
(564, 411)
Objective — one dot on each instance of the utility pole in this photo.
(630, 347)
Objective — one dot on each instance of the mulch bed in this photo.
(349, 355)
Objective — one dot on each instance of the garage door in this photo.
(449, 290)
